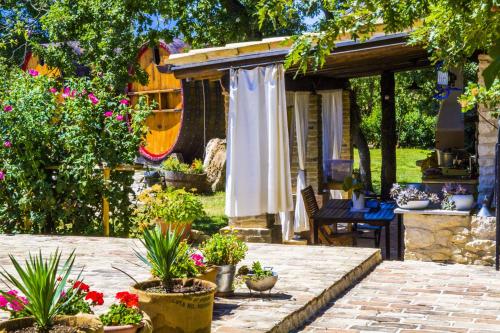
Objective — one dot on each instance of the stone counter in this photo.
(448, 236)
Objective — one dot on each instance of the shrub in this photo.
(173, 164)
(224, 249)
(55, 136)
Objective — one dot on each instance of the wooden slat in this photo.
(144, 92)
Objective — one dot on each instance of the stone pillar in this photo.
(487, 138)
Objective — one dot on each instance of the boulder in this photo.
(483, 227)
(215, 164)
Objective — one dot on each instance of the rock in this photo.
(419, 238)
(480, 245)
(483, 227)
(459, 239)
(198, 236)
(215, 164)
(459, 259)
(443, 237)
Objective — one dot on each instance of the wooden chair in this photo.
(325, 234)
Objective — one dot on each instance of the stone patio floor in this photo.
(309, 277)
(418, 297)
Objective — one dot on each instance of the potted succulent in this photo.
(191, 177)
(40, 296)
(170, 208)
(258, 278)
(124, 316)
(411, 197)
(457, 197)
(173, 301)
(224, 251)
(355, 184)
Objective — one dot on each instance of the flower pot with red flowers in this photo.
(174, 302)
(124, 316)
(39, 300)
(169, 208)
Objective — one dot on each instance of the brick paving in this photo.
(309, 277)
(412, 296)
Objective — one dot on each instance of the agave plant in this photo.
(162, 254)
(43, 284)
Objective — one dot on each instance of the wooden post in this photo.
(105, 203)
(389, 138)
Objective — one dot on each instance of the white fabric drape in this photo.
(332, 118)
(258, 177)
(301, 112)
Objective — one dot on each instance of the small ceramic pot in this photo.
(261, 285)
(415, 204)
(463, 201)
(358, 202)
(225, 279)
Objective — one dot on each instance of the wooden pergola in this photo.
(381, 55)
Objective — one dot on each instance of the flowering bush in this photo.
(402, 195)
(55, 137)
(126, 312)
(82, 300)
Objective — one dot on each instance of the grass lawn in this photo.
(215, 219)
(406, 172)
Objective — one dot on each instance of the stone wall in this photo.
(450, 237)
(487, 138)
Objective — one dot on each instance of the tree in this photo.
(110, 32)
(451, 30)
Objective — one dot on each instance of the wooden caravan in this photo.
(186, 114)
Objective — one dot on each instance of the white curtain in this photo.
(332, 119)
(258, 177)
(301, 112)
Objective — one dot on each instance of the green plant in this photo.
(169, 205)
(173, 164)
(43, 284)
(224, 249)
(126, 312)
(162, 254)
(354, 183)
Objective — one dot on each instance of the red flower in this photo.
(128, 299)
(81, 286)
(95, 297)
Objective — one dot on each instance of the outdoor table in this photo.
(336, 211)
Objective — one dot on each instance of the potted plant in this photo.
(224, 251)
(170, 208)
(124, 316)
(412, 198)
(355, 184)
(172, 301)
(42, 283)
(457, 197)
(191, 177)
(258, 278)
(204, 271)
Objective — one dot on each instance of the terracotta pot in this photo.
(169, 313)
(84, 323)
(197, 183)
(177, 227)
(210, 275)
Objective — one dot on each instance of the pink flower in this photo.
(33, 72)
(3, 302)
(2, 175)
(119, 117)
(7, 108)
(7, 144)
(93, 99)
(67, 92)
(108, 114)
(53, 90)
(124, 101)
(198, 259)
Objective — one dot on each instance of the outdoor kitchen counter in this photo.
(448, 236)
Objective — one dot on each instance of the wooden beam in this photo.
(313, 83)
(388, 128)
